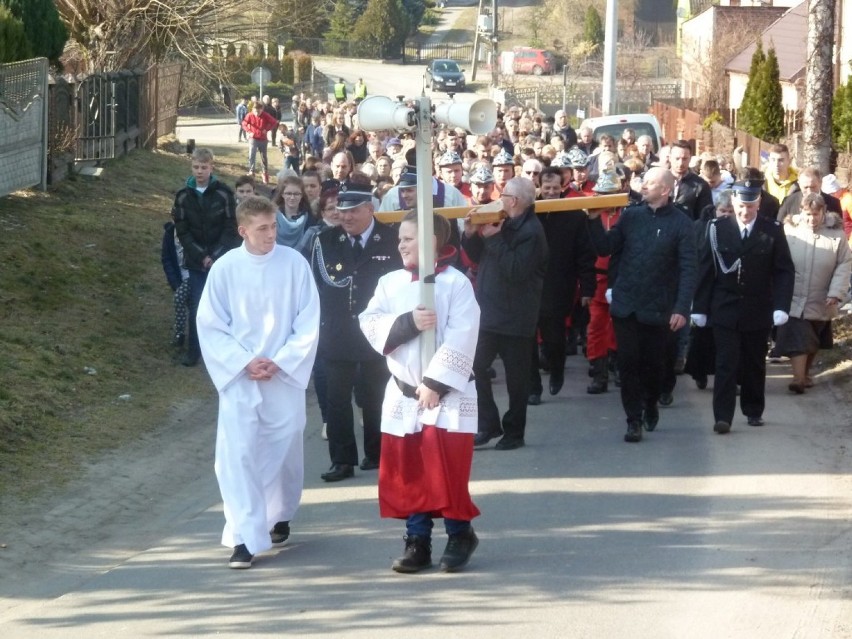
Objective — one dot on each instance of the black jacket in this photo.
(792, 204)
(206, 223)
(745, 298)
(693, 195)
(656, 257)
(571, 260)
(510, 276)
(340, 336)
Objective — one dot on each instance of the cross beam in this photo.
(491, 214)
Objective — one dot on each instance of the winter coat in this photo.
(656, 256)
(823, 263)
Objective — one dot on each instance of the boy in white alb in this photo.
(258, 325)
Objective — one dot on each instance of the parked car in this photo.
(614, 125)
(445, 75)
(535, 61)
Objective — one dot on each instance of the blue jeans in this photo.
(260, 146)
(420, 524)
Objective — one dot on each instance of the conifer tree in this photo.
(593, 31)
(769, 103)
(45, 31)
(746, 111)
(13, 38)
(384, 23)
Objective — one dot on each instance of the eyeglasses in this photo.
(292, 194)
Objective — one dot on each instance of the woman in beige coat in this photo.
(823, 264)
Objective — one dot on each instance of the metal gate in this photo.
(95, 118)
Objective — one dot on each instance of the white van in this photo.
(614, 125)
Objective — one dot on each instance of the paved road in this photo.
(687, 534)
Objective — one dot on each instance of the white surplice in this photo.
(456, 332)
(259, 306)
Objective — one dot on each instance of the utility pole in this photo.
(477, 43)
(610, 38)
(495, 54)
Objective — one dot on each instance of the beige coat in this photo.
(823, 266)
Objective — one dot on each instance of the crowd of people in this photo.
(705, 268)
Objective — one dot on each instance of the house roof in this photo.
(788, 35)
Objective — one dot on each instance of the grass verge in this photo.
(85, 320)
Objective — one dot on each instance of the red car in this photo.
(535, 61)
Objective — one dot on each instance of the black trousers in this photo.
(197, 280)
(642, 359)
(740, 355)
(341, 377)
(516, 353)
(552, 331)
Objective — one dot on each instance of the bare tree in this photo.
(818, 84)
(632, 57)
(704, 60)
(112, 34)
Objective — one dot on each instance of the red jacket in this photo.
(257, 126)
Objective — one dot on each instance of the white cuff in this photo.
(779, 318)
(699, 319)
(608, 296)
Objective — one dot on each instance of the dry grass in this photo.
(81, 287)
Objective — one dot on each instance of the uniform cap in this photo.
(503, 159)
(577, 158)
(407, 179)
(352, 195)
(449, 158)
(482, 175)
(747, 190)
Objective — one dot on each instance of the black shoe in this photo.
(190, 359)
(634, 432)
(280, 533)
(755, 421)
(556, 382)
(679, 365)
(650, 417)
(534, 400)
(701, 381)
(338, 472)
(510, 443)
(459, 549)
(417, 555)
(481, 439)
(369, 464)
(597, 387)
(666, 399)
(722, 427)
(241, 558)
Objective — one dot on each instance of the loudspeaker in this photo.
(378, 112)
(478, 117)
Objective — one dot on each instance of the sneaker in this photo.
(459, 549)
(280, 534)
(417, 555)
(241, 558)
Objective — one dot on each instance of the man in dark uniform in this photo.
(745, 286)
(347, 264)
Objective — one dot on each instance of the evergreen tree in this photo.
(45, 31)
(384, 23)
(841, 117)
(593, 31)
(747, 106)
(769, 102)
(13, 38)
(340, 22)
